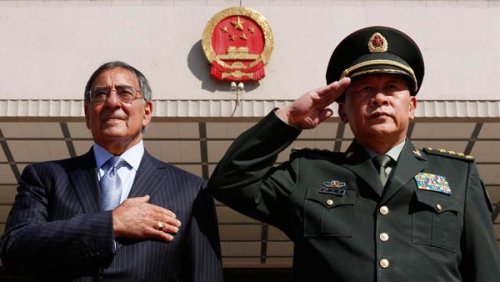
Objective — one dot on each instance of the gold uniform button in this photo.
(384, 210)
(384, 237)
(439, 207)
(384, 263)
(329, 202)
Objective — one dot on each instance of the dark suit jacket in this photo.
(355, 230)
(57, 231)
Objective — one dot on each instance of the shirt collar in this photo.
(394, 152)
(132, 156)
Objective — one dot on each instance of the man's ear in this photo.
(412, 106)
(342, 112)
(148, 113)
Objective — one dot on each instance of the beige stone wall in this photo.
(49, 48)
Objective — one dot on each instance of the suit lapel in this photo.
(410, 163)
(147, 177)
(83, 175)
(357, 161)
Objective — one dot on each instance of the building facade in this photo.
(48, 49)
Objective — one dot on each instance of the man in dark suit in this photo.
(382, 210)
(86, 219)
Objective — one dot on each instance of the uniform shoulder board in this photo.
(298, 149)
(450, 154)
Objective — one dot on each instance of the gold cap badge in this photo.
(378, 43)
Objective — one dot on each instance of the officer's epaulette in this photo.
(298, 149)
(451, 154)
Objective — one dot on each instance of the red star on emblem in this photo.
(377, 42)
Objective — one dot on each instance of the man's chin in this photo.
(113, 133)
(383, 130)
(382, 126)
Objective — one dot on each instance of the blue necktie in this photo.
(111, 186)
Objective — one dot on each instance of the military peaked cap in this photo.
(377, 49)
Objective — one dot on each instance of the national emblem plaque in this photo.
(238, 43)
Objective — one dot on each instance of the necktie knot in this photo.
(114, 162)
(383, 161)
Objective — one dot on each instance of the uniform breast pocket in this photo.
(436, 220)
(328, 214)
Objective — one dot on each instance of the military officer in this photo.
(381, 211)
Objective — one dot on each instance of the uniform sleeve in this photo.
(481, 258)
(32, 243)
(246, 179)
(203, 241)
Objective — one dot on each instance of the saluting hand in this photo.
(135, 218)
(310, 109)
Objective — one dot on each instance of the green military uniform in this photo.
(344, 228)
(430, 222)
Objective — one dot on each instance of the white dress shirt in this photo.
(132, 156)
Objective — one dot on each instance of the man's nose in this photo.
(112, 100)
(379, 99)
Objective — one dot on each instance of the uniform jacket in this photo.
(57, 231)
(346, 227)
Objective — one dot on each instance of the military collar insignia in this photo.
(417, 153)
(378, 43)
(349, 154)
(433, 182)
(333, 187)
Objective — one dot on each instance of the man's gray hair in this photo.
(147, 95)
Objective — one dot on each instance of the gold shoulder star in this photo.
(224, 29)
(243, 37)
(231, 37)
(251, 29)
(238, 24)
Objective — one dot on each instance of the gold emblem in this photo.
(238, 43)
(378, 43)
